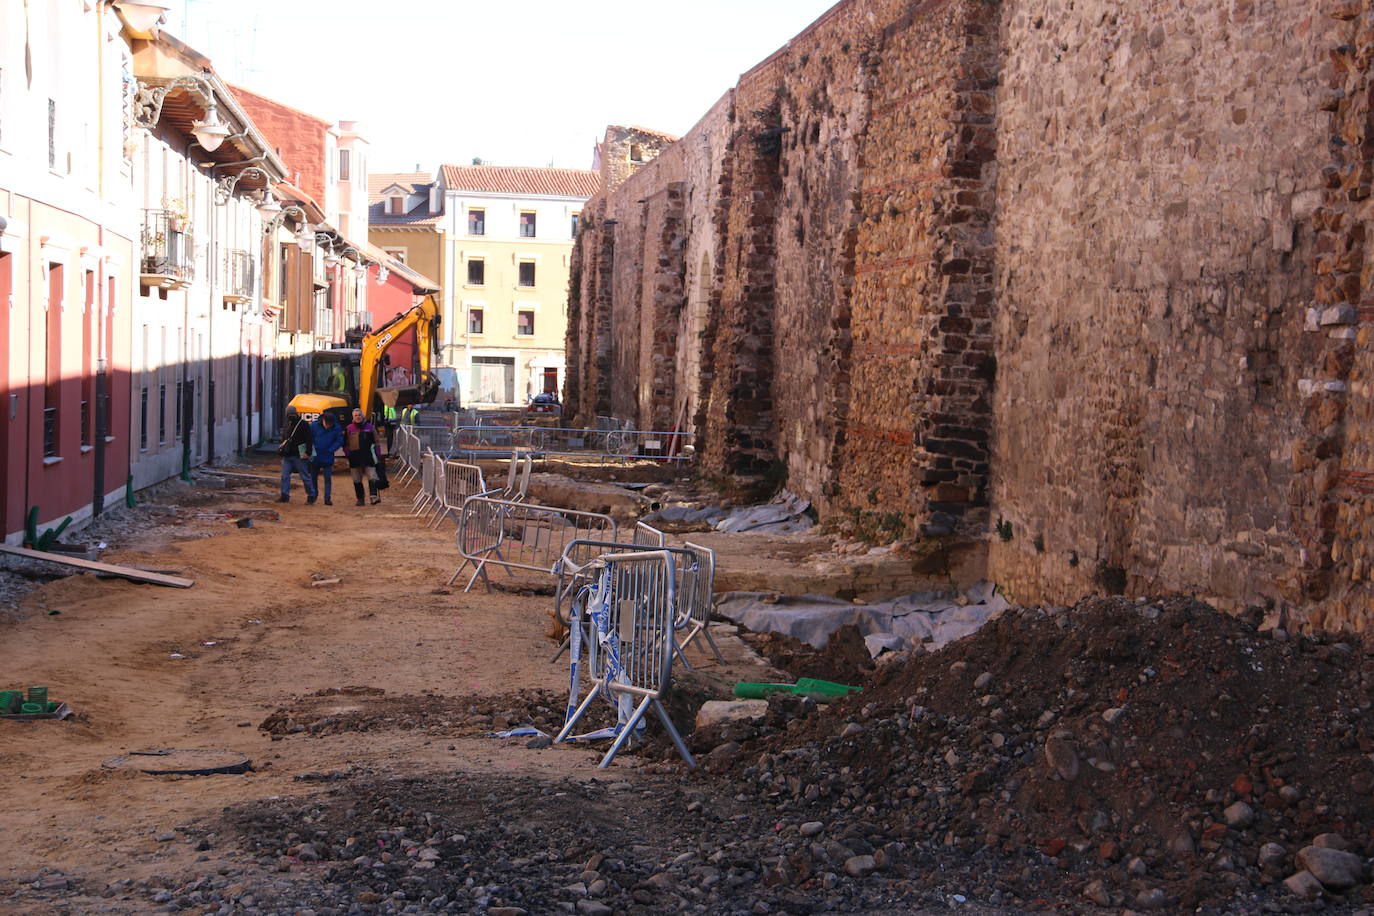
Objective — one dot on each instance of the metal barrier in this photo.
(459, 482)
(629, 601)
(516, 535)
(695, 583)
(646, 535)
(701, 600)
(518, 477)
(438, 439)
(409, 453)
(425, 495)
(472, 442)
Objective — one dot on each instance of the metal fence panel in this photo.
(516, 535)
(629, 601)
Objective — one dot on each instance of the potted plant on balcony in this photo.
(176, 214)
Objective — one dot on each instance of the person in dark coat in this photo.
(295, 452)
(360, 444)
(327, 436)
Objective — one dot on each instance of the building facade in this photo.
(509, 233)
(68, 229)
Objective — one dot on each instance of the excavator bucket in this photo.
(410, 395)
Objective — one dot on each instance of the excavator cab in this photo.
(334, 385)
(424, 391)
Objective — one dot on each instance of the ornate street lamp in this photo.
(148, 101)
(224, 189)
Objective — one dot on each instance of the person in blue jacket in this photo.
(328, 438)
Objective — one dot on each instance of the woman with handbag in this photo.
(360, 444)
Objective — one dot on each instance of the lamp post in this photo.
(148, 102)
(224, 189)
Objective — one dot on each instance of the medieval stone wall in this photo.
(1080, 278)
(1154, 266)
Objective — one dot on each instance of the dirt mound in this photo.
(360, 709)
(1154, 747)
(844, 660)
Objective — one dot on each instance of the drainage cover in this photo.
(170, 761)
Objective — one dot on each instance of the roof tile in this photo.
(507, 179)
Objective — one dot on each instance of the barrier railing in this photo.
(430, 465)
(695, 583)
(628, 601)
(517, 535)
(472, 442)
(701, 600)
(410, 454)
(438, 439)
(460, 481)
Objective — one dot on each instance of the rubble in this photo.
(1130, 751)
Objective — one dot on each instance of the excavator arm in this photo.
(424, 318)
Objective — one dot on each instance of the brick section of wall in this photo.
(740, 430)
(1333, 490)
(298, 138)
(922, 352)
(1153, 272)
(662, 301)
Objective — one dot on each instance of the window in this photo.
(398, 205)
(526, 273)
(52, 133)
(161, 414)
(477, 222)
(52, 388)
(475, 321)
(180, 407)
(344, 165)
(88, 323)
(477, 272)
(576, 220)
(524, 325)
(143, 418)
(636, 153)
(527, 225)
(398, 253)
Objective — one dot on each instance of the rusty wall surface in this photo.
(1082, 279)
(1154, 265)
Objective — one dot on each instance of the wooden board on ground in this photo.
(123, 572)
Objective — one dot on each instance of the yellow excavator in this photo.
(346, 378)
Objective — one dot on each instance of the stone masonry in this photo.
(1079, 279)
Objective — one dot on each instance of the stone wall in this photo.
(1079, 278)
(1154, 266)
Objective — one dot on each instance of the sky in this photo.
(521, 82)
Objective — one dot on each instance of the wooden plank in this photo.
(123, 572)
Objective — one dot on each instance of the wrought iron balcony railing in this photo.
(238, 275)
(168, 250)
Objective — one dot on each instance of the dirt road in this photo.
(382, 684)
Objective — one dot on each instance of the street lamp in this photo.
(268, 208)
(142, 15)
(305, 235)
(224, 188)
(148, 101)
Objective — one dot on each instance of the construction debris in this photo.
(931, 619)
(109, 569)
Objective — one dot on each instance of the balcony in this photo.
(168, 251)
(238, 276)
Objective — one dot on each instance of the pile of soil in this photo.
(1142, 752)
(362, 709)
(844, 660)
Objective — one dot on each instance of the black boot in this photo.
(358, 492)
(372, 488)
